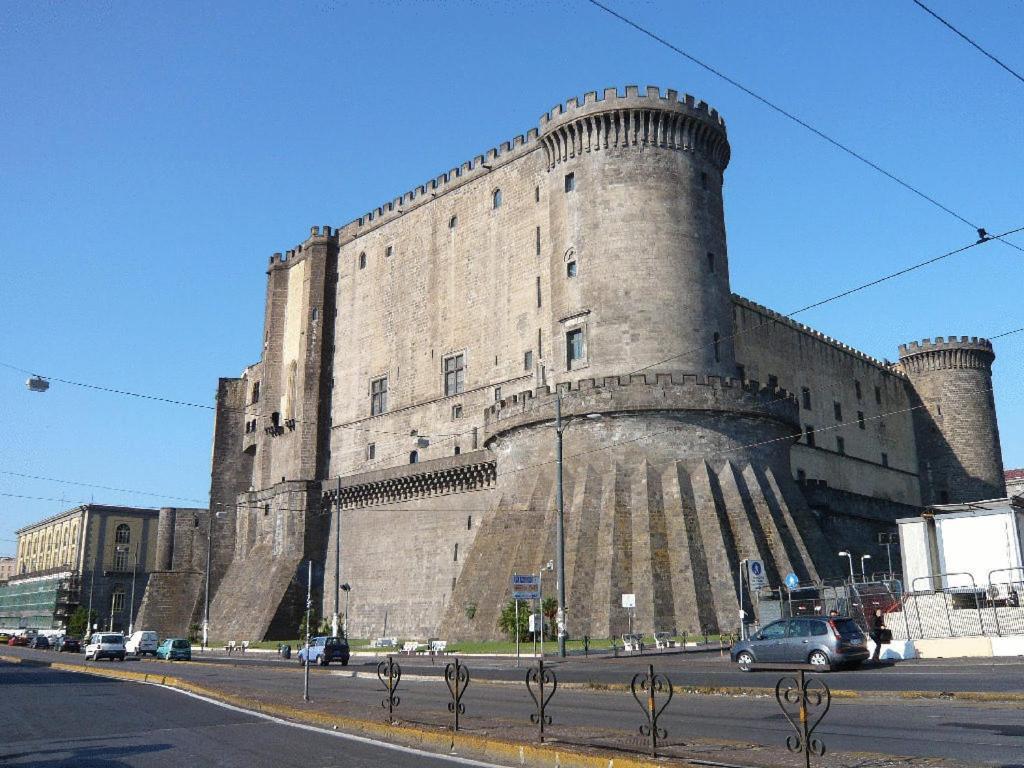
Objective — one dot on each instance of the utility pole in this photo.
(309, 605)
(88, 619)
(131, 607)
(743, 615)
(206, 585)
(337, 561)
(560, 533)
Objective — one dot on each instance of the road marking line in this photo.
(338, 734)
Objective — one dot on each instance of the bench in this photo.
(384, 642)
(438, 647)
(230, 647)
(664, 640)
(633, 643)
(411, 646)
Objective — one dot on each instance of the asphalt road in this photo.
(702, 669)
(57, 719)
(968, 732)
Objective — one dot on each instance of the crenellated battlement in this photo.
(948, 353)
(786, 320)
(649, 119)
(643, 392)
(950, 342)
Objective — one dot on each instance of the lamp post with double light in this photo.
(849, 557)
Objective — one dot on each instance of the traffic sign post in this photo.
(792, 582)
(756, 577)
(629, 603)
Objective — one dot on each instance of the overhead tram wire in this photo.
(598, 449)
(794, 118)
(968, 40)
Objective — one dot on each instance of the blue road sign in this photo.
(792, 581)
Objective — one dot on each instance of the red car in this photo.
(18, 640)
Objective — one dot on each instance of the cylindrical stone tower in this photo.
(955, 428)
(634, 188)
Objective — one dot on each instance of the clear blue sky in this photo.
(151, 160)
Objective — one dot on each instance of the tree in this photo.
(550, 610)
(507, 621)
(80, 621)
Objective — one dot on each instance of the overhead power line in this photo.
(966, 39)
(793, 117)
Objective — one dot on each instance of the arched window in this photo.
(362, 261)
(256, 392)
(123, 534)
(414, 457)
(453, 222)
(496, 198)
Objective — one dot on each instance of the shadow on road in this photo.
(81, 757)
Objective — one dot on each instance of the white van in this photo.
(141, 643)
(105, 645)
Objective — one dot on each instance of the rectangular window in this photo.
(841, 446)
(570, 182)
(469, 523)
(878, 395)
(711, 263)
(454, 374)
(741, 372)
(457, 411)
(378, 396)
(497, 394)
(117, 604)
(528, 361)
(456, 556)
(838, 408)
(809, 434)
(805, 393)
(885, 459)
(773, 382)
(389, 250)
(570, 268)
(537, 241)
(860, 420)
(540, 345)
(573, 348)
(536, 194)
(538, 290)
(371, 451)
(703, 179)
(856, 387)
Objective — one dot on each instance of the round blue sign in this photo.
(792, 581)
(755, 568)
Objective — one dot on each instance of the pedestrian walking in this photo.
(878, 632)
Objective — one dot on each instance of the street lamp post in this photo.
(887, 539)
(742, 613)
(131, 606)
(863, 576)
(560, 532)
(849, 557)
(206, 585)
(337, 562)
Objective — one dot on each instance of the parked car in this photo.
(823, 642)
(69, 644)
(142, 642)
(5, 638)
(324, 650)
(175, 648)
(105, 645)
(40, 643)
(18, 640)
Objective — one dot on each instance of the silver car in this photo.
(824, 642)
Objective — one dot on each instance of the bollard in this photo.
(456, 677)
(806, 696)
(586, 646)
(390, 674)
(648, 685)
(541, 677)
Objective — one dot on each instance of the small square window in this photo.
(371, 451)
(389, 250)
(570, 182)
(885, 459)
(457, 450)
(453, 222)
(841, 446)
(528, 361)
(860, 420)
(457, 411)
(497, 394)
(837, 408)
(809, 434)
(414, 457)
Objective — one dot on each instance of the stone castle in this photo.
(404, 400)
